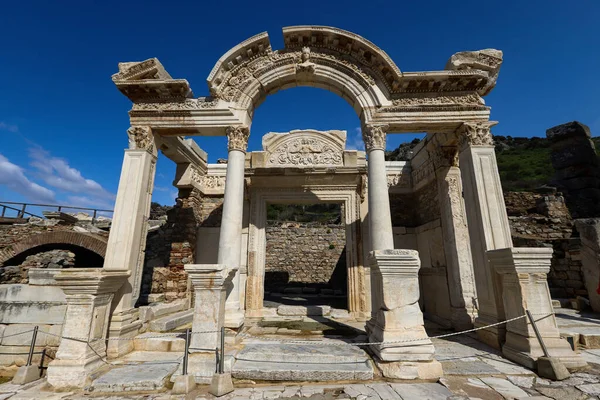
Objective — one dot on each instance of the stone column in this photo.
(89, 293)
(457, 248)
(487, 222)
(380, 220)
(230, 238)
(210, 283)
(525, 287)
(395, 274)
(128, 232)
(589, 232)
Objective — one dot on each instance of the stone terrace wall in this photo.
(306, 252)
(543, 220)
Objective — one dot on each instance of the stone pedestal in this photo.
(89, 293)
(230, 237)
(399, 318)
(487, 222)
(210, 283)
(525, 287)
(589, 232)
(128, 232)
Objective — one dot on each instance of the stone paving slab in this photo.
(430, 391)
(281, 352)
(142, 377)
(505, 388)
(275, 371)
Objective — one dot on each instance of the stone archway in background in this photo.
(95, 244)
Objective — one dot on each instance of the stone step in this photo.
(301, 353)
(172, 321)
(135, 378)
(315, 372)
(147, 342)
(301, 362)
(157, 310)
(303, 310)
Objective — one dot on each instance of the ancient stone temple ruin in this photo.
(424, 238)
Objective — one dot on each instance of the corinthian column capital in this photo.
(237, 138)
(141, 138)
(374, 136)
(475, 134)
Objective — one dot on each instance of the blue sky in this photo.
(63, 123)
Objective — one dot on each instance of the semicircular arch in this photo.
(93, 243)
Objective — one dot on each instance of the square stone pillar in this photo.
(128, 232)
(525, 287)
(457, 246)
(89, 293)
(211, 283)
(487, 222)
(589, 232)
(395, 274)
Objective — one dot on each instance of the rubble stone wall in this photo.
(543, 220)
(303, 252)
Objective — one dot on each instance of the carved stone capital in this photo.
(374, 136)
(475, 134)
(141, 138)
(237, 138)
(444, 156)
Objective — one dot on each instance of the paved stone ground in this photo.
(584, 326)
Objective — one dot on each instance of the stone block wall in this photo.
(173, 245)
(303, 253)
(543, 220)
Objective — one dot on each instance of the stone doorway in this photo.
(351, 284)
(305, 258)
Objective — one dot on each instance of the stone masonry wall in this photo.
(543, 220)
(303, 252)
(172, 246)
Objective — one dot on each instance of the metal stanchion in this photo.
(32, 346)
(187, 350)
(537, 334)
(222, 359)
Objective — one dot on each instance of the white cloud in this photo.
(57, 173)
(354, 141)
(85, 201)
(8, 127)
(15, 179)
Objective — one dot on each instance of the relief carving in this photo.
(475, 134)
(423, 171)
(237, 138)
(140, 138)
(188, 104)
(374, 136)
(444, 156)
(306, 151)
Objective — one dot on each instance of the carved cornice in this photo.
(475, 134)
(374, 136)
(237, 138)
(141, 138)
(471, 101)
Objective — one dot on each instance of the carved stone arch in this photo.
(93, 243)
(322, 57)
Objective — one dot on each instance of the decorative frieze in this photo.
(399, 180)
(424, 102)
(237, 138)
(423, 171)
(189, 104)
(141, 138)
(475, 134)
(374, 136)
(306, 151)
(444, 156)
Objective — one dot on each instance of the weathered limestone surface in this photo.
(88, 293)
(525, 287)
(589, 231)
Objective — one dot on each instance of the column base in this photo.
(425, 370)
(203, 366)
(493, 336)
(234, 319)
(122, 326)
(421, 350)
(526, 351)
(64, 374)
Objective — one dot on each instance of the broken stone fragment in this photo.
(487, 60)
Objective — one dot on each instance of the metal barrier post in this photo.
(537, 334)
(187, 349)
(222, 359)
(31, 348)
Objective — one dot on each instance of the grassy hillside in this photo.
(524, 163)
